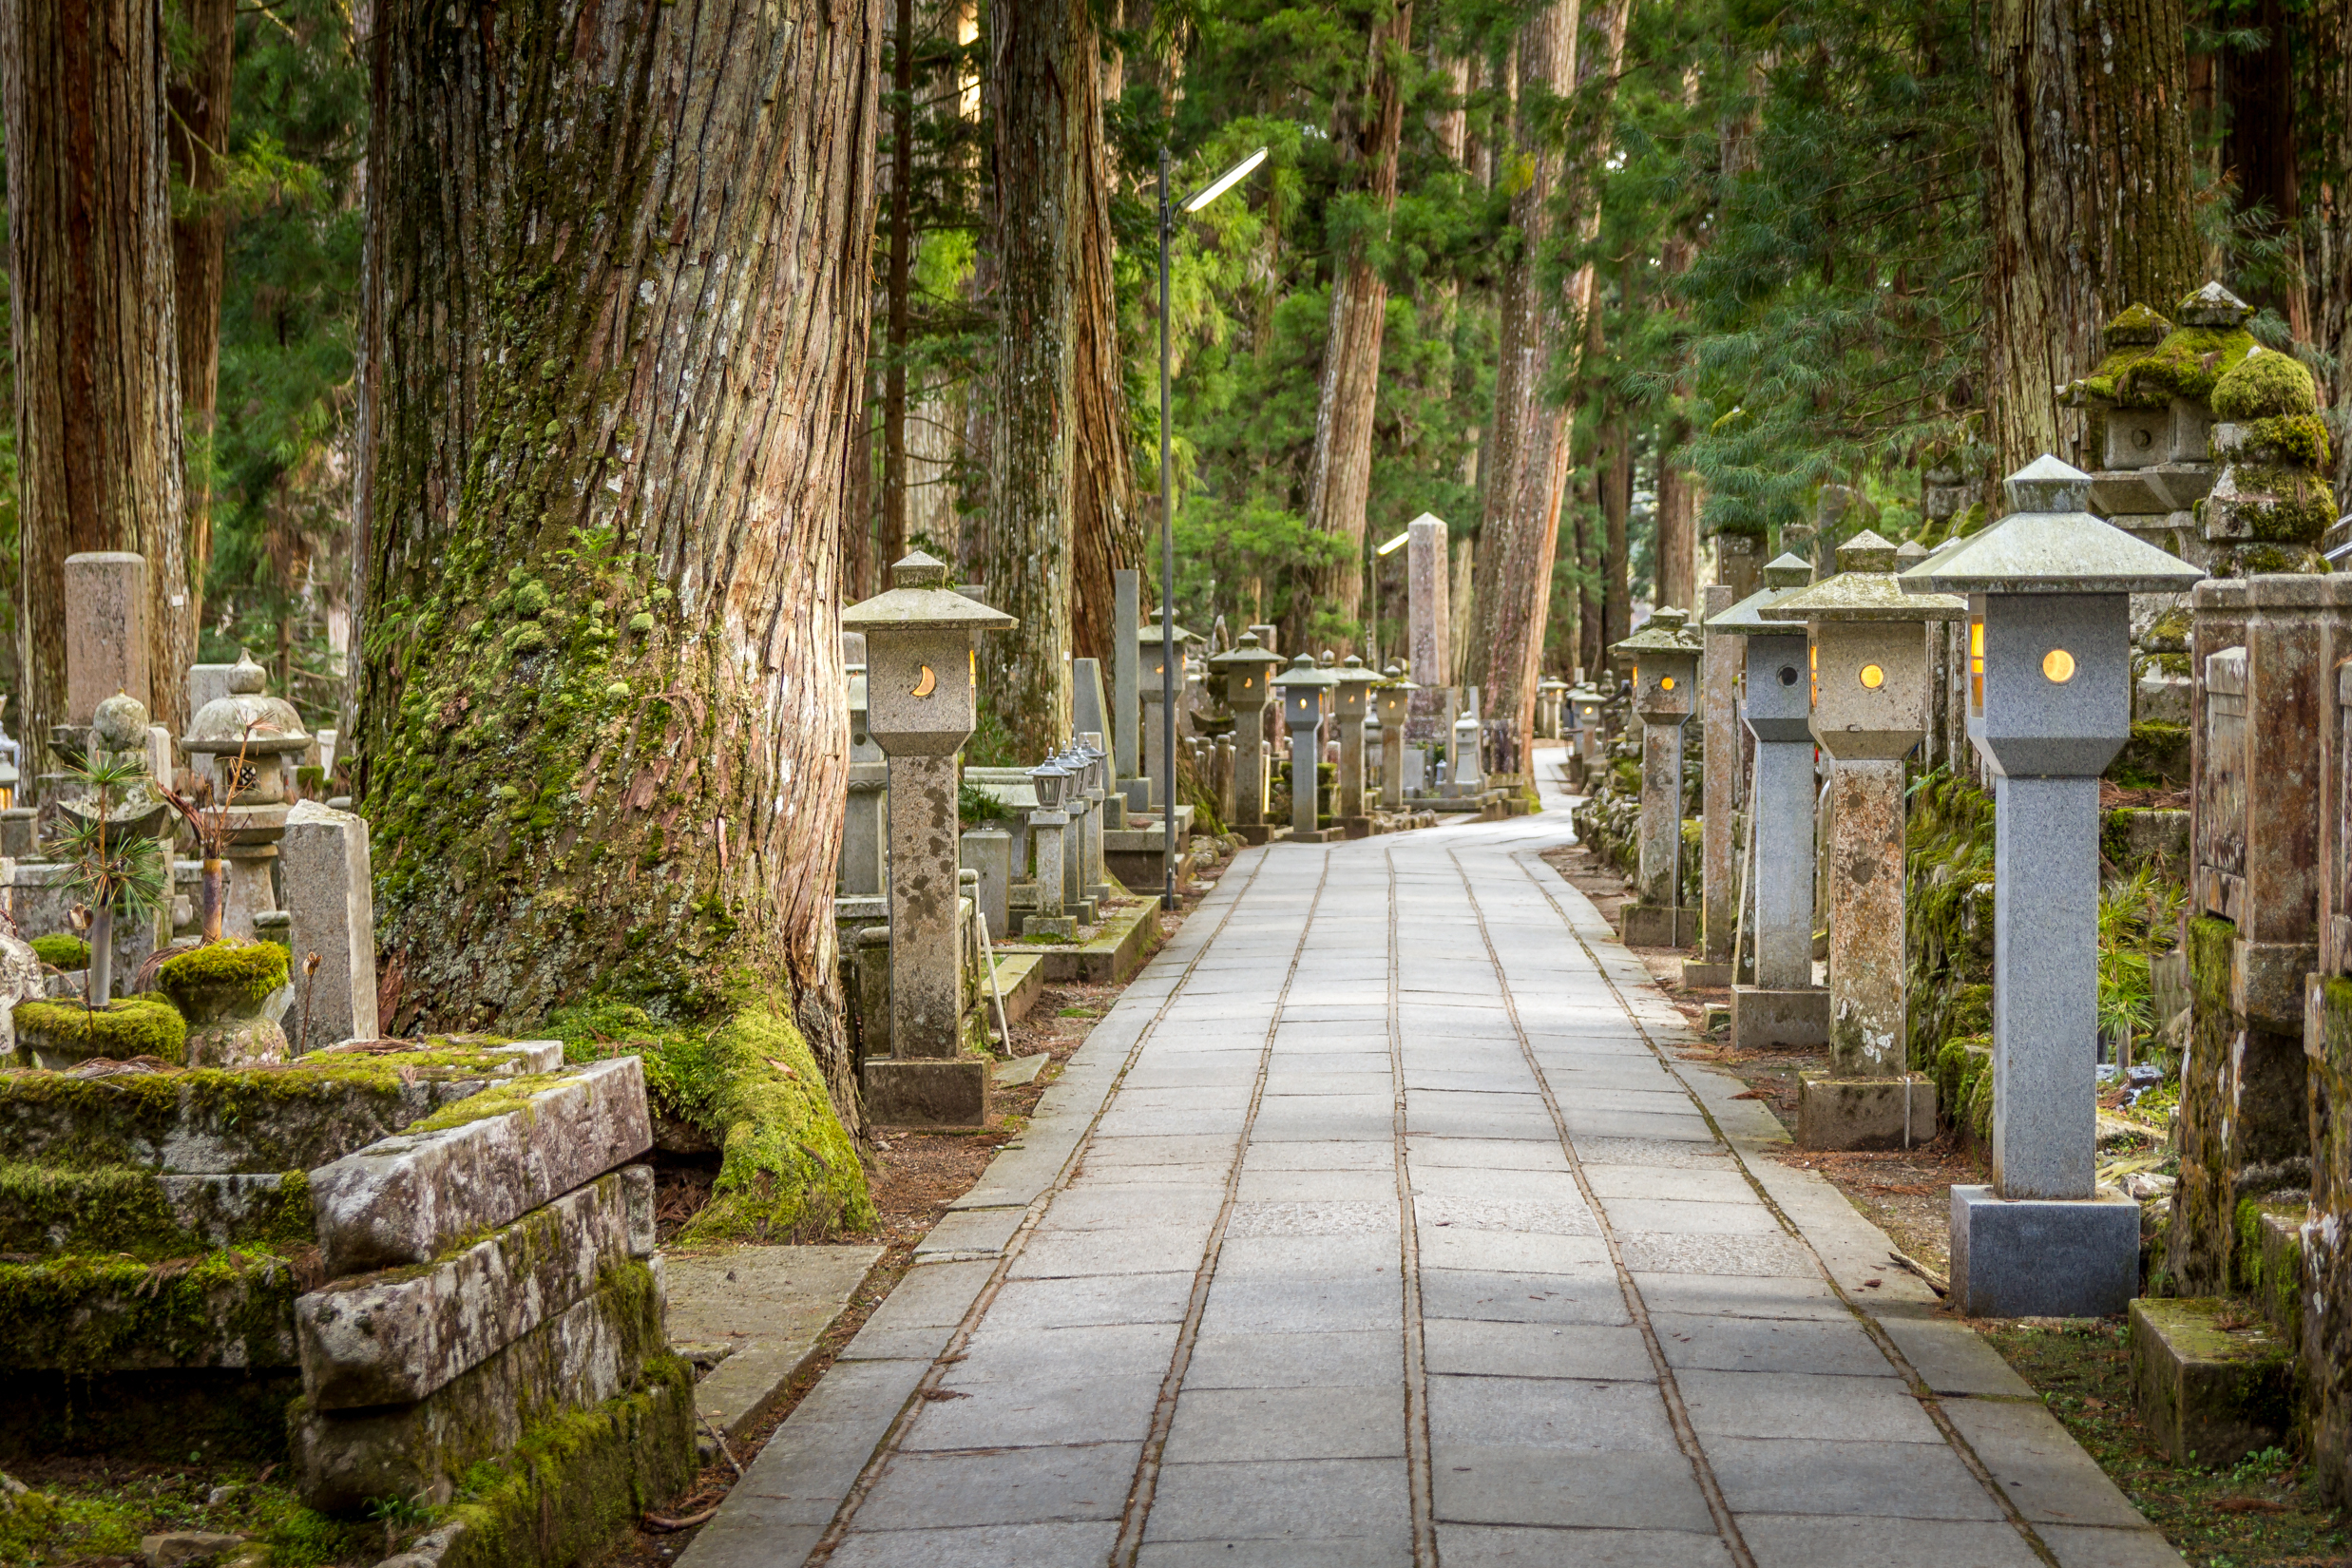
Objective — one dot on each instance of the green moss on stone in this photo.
(498, 1100)
(62, 952)
(2297, 437)
(2185, 364)
(2265, 386)
(86, 1313)
(2156, 754)
(227, 978)
(125, 1028)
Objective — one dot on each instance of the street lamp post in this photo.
(1168, 669)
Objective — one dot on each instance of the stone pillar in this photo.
(925, 989)
(1249, 770)
(989, 851)
(864, 833)
(1867, 1022)
(1350, 802)
(1429, 716)
(1126, 620)
(1049, 835)
(1154, 742)
(330, 913)
(106, 596)
(1719, 712)
(1392, 767)
(1305, 752)
(2045, 1001)
(1780, 818)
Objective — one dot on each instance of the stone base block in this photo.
(1063, 927)
(1259, 832)
(1321, 835)
(1697, 975)
(1358, 827)
(225, 1412)
(2043, 1257)
(916, 1093)
(1865, 1113)
(1792, 1019)
(2266, 981)
(2211, 1382)
(1657, 926)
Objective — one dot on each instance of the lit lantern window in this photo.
(1872, 676)
(1975, 664)
(2057, 666)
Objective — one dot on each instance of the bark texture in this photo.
(1543, 321)
(2090, 182)
(197, 135)
(1677, 543)
(2330, 250)
(2261, 155)
(893, 534)
(615, 313)
(92, 314)
(1108, 531)
(1043, 60)
(1339, 469)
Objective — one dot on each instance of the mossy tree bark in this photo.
(197, 135)
(2089, 191)
(1339, 467)
(1108, 530)
(2328, 69)
(1543, 317)
(615, 318)
(98, 442)
(1043, 58)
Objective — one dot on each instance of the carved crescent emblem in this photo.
(923, 687)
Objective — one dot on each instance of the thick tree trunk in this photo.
(893, 534)
(1109, 532)
(98, 441)
(1617, 510)
(2329, 76)
(1043, 69)
(2261, 156)
(1339, 469)
(616, 307)
(1677, 490)
(1591, 535)
(1519, 535)
(2089, 191)
(199, 138)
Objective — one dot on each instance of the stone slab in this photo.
(1130, 934)
(1656, 926)
(403, 1199)
(379, 1339)
(1794, 1020)
(766, 1307)
(2043, 1257)
(1698, 975)
(1022, 1069)
(921, 1093)
(1020, 980)
(1865, 1113)
(2210, 1384)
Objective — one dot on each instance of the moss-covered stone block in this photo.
(2156, 756)
(61, 950)
(224, 979)
(62, 1034)
(2267, 1264)
(2212, 1382)
(166, 1415)
(2268, 385)
(230, 1309)
(2132, 837)
(147, 1216)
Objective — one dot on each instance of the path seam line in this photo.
(1418, 1463)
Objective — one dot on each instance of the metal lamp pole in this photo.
(1169, 655)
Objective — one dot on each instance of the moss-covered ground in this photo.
(97, 1509)
(2265, 1513)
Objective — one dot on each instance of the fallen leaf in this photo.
(2248, 1505)
(1754, 1093)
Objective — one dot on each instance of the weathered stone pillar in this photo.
(1429, 716)
(989, 851)
(1394, 698)
(1719, 884)
(1126, 621)
(1665, 661)
(1305, 689)
(1249, 668)
(864, 825)
(1351, 702)
(106, 598)
(330, 913)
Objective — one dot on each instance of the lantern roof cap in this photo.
(1352, 672)
(1246, 651)
(1551, 683)
(2049, 544)
(1788, 574)
(1864, 588)
(1304, 671)
(1149, 632)
(1663, 633)
(1395, 677)
(919, 599)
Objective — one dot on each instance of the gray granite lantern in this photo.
(922, 695)
(1306, 690)
(1783, 1006)
(1351, 702)
(1049, 833)
(1392, 699)
(1585, 701)
(1151, 670)
(1872, 691)
(1249, 674)
(1098, 796)
(865, 832)
(1548, 694)
(248, 737)
(1664, 657)
(2049, 592)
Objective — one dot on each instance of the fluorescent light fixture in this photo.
(1224, 181)
(1392, 545)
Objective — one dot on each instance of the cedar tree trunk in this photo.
(2089, 189)
(1109, 532)
(1339, 470)
(199, 137)
(614, 315)
(98, 443)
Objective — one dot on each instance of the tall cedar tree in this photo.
(1108, 530)
(2089, 197)
(615, 323)
(199, 138)
(98, 441)
(1339, 469)
(1044, 63)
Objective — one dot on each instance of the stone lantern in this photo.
(1351, 700)
(1548, 692)
(922, 694)
(248, 735)
(1393, 700)
(1306, 690)
(1664, 659)
(1585, 701)
(2049, 592)
(1249, 672)
(1872, 694)
(1151, 670)
(1049, 831)
(1096, 778)
(1783, 1006)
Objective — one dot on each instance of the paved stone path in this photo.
(1375, 1226)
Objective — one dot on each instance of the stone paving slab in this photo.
(1186, 1320)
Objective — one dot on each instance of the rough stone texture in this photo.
(989, 851)
(20, 980)
(403, 1199)
(1658, 880)
(1126, 619)
(2325, 1266)
(1718, 689)
(329, 883)
(1652, 925)
(1762, 1019)
(393, 1339)
(1428, 634)
(2210, 1384)
(2035, 1257)
(185, 1548)
(105, 599)
(764, 1309)
(1867, 1113)
(2045, 991)
(925, 997)
(106, 1314)
(921, 1093)
(2244, 1127)
(1781, 810)
(1867, 1022)
(592, 1350)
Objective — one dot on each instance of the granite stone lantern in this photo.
(2049, 592)
(1392, 699)
(1351, 702)
(1151, 670)
(1049, 832)
(1079, 800)
(1548, 694)
(1872, 693)
(1585, 701)
(1783, 1006)
(1665, 661)
(1249, 672)
(248, 737)
(1099, 796)
(922, 695)
(1305, 692)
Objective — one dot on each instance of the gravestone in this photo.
(330, 912)
(1126, 692)
(1429, 718)
(106, 598)
(1720, 752)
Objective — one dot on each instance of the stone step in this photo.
(756, 1315)
(87, 1315)
(2267, 1265)
(122, 1209)
(2212, 1378)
